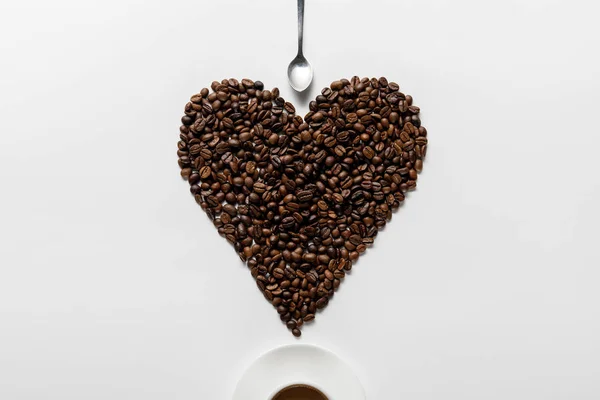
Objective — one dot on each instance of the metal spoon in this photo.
(300, 72)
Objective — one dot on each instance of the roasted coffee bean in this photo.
(301, 199)
(322, 302)
(278, 273)
(305, 195)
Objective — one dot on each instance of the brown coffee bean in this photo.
(205, 172)
(322, 302)
(250, 167)
(278, 273)
(368, 152)
(308, 317)
(291, 324)
(337, 85)
(289, 107)
(355, 240)
(419, 165)
(186, 172)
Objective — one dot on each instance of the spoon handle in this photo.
(300, 25)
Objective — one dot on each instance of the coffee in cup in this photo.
(299, 392)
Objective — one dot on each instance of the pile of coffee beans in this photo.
(299, 198)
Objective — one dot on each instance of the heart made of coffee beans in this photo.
(301, 199)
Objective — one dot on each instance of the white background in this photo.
(115, 285)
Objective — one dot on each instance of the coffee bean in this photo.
(301, 200)
(355, 240)
(305, 195)
(289, 107)
(186, 172)
(291, 324)
(419, 165)
(337, 85)
(368, 152)
(322, 302)
(278, 273)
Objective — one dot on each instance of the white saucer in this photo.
(299, 363)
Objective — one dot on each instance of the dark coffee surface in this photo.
(300, 392)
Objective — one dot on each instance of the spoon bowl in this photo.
(300, 73)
